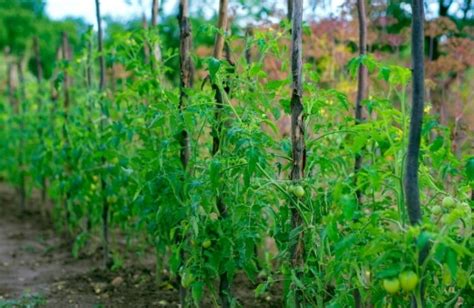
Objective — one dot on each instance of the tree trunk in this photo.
(186, 79)
(361, 86)
(105, 204)
(412, 193)
(297, 132)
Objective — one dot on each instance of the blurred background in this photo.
(330, 40)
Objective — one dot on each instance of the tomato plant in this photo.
(214, 217)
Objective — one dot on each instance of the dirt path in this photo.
(37, 270)
(33, 261)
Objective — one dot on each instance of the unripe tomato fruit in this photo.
(392, 286)
(464, 207)
(214, 216)
(436, 210)
(206, 244)
(187, 279)
(112, 199)
(448, 202)
(408, 281)
(298, 191)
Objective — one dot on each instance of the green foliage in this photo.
(25, 301)
(129, 138)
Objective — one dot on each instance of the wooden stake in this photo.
(361, 86)
(224, 283)
(412, 190)
(297, 131)
(186, 82)
(105, 204)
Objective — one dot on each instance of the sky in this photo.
(58, 9)
(129, 9)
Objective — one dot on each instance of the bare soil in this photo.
(37, 269)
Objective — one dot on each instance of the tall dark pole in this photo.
(412, 194)
(412, 190)
(224, 283)
(361, 85)
(297, 131)
(105, 204)
(39, 78)
(186, 82)
(100, 47)
(156, 52)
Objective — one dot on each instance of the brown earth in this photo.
(37, 269)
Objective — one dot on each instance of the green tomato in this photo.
(447, 280)
(214, 216)
(187, 279)
(448, 202)
(207, 243)
(464, 207)
(436, 210)
(408, 281)
(392, 286)
(112, 199)
(462, 279)
(298, 191)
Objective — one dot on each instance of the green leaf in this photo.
(260, 290)
(384, 73)
(286, 105)
(470, 169)
(389, 272)
(423, 239)
(197, 290)
(275, 84)
(214, 65)
(214, 172)
(349, 205)
(437, 144)
(452, 262)
(353, 65)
